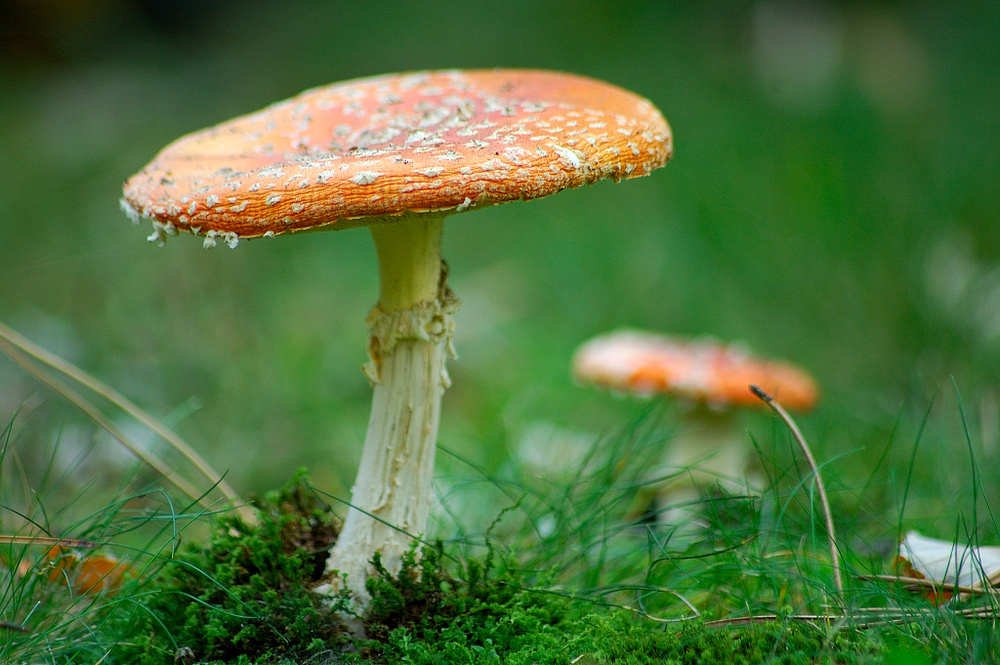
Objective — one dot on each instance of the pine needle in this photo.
(46, 540)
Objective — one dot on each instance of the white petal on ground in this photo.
(950, 563)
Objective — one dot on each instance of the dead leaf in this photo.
(87, 573)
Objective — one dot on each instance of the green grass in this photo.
(53, 619)
(566, 572)
(242, 598)
(246, 591)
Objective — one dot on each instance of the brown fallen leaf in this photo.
(87, 573)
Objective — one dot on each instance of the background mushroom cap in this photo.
(704, 370)
(383, 146)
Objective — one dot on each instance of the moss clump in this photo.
(424, 615)
(621, 640)
(245, 596)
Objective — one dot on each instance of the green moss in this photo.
(425, 616)
(244, 597)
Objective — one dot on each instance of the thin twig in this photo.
(827, 513)
(46, 540)
(934, 585)
(864, 617)
(765, 618)
(7, 625)
(122, 402)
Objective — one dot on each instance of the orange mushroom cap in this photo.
(703, 370)
(380, 147)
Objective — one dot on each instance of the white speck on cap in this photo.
(365, 177)
(570, 157)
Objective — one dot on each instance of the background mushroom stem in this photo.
(711, 450)
(410, 337)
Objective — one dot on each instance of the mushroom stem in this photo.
(409, 260)
(410, 335)
(712, 451)
(705, 455)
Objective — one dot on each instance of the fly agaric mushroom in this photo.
(714, 378)
(397, 153)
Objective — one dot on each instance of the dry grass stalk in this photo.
(22, 351)
(807, 452)
(27, 347)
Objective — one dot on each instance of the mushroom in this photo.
(397, 153)
(714, 378)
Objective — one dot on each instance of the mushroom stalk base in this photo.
(410, 339)
(392, 495)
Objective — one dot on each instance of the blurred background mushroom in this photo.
(709, 452)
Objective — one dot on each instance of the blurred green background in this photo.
(833, 200)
